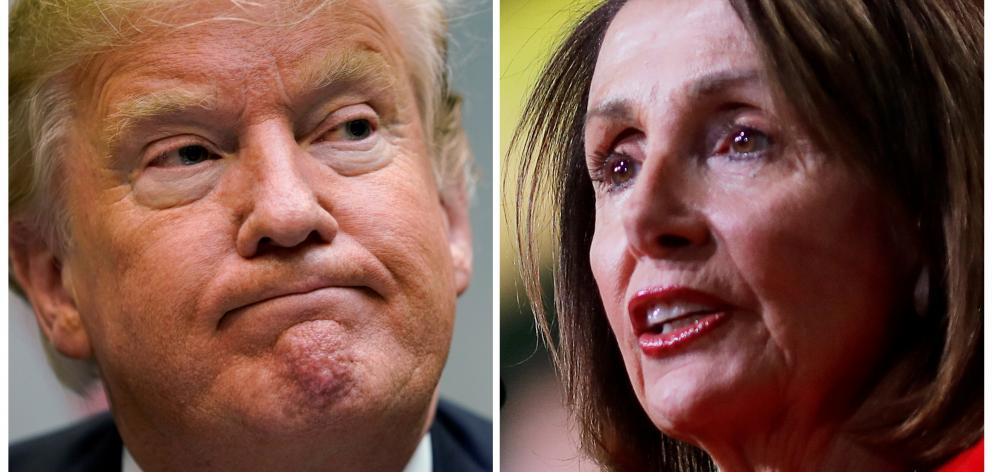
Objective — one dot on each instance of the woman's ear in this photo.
(44, 279)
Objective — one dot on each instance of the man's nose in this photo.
(660, 218)
(284, 208)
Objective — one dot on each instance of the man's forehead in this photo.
(144, 98)
(205, 44)
(189, 70)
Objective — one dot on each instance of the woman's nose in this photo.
(284, 208)
(660, 218)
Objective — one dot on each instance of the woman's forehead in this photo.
(668, 52)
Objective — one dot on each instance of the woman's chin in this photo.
(681, 407)
(707, 394)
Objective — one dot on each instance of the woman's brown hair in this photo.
(895, 88)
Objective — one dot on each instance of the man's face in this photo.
(257, 238)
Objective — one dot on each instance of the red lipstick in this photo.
(666, 319)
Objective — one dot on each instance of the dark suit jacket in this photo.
(460, 441)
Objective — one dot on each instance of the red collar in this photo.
(971, 460)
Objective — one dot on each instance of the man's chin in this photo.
(329, 402)
(346, 412)
(313, 357)
(315, 379)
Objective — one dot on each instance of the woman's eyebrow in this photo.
(713, 82)
(702, 86)
(619, 109)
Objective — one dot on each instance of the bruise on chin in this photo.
(313, 358)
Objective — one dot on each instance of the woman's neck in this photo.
(795, 447)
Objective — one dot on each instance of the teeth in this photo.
(680, 323)
(663, 312)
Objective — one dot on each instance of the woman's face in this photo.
(748, 277)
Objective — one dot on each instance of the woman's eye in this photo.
(743, 143)
(618, 170)
(352, 130)
(189, 155)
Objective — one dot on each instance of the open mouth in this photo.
(667, 319)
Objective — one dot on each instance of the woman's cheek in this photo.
(606, 259)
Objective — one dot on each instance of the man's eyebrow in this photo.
(351, 66)
(157, 103)
(337, 68)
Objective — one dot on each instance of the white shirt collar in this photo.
(129, 464)
(422, 460)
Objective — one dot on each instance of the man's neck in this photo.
(422, 460)
(384, 442)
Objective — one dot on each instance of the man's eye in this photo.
(743, 143)
(358, 129)
(352, 130)
(189, 155)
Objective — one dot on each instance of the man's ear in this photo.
(459, 237)
(45, 282)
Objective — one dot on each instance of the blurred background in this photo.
(535, 432)
(38, 402)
